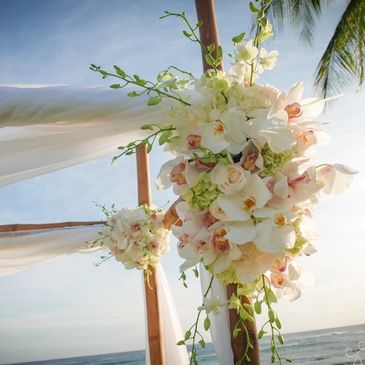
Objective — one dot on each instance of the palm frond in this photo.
(301, 13)
(304, 14)
(343, 59)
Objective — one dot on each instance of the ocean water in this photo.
(338, 346)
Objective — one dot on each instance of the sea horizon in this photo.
(328, 346)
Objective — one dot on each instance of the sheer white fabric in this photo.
(220, 328)
(43, 129)
(171, 328)
(24, 249)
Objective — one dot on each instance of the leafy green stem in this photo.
(212, 53)
(273, 322)
(164, 133)
(193, 332)
(148, 87)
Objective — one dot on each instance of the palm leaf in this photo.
(301, 13)
(343, 59)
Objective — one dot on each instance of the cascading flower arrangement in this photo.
(244, 171)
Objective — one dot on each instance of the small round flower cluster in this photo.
(245, 172)
(137, 237)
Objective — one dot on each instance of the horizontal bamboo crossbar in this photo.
(40, 226)
(170, 218)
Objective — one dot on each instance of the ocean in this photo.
(337, 346)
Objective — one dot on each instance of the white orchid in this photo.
(335, 178)
(212, 304)
(213, 137)
(287, 278)
(296, 108)
(180, 174)
(274, 235)
(233, 120)
(267, 60)
(238, 207)
(271, 128)
(191, 233)
(220, 251)
(252, 159)
(246, 52)
(293, 186)
(252, 263)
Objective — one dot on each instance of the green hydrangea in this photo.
(227, 276)
(300, 242)
(274, 162)
(202, 194)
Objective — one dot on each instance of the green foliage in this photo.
(183, 279)
(192, 333)
(155, 90)
(238, 38)
(164, 134)
(343, 59)
(260, 24)
(213, 55)
(273, 322)
(206, 323)
(246, 313)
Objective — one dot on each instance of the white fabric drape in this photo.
(43, 129)
(171, 328)
(219, 328)
(24, 249)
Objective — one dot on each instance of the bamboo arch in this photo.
(209, 35)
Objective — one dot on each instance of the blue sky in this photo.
(70, 307)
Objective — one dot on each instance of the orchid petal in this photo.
(279, 140)
(232, 207)
(256, 188)
(281, 188)
(163, 178)
(223, 262)
(192, 174)
(240, 233)
(296, 92)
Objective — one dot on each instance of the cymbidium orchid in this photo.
(335, 178)
(252, 263)
(220, 251)
(285, 278)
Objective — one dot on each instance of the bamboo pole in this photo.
(154, 322)
(209, 35)
(34, 227)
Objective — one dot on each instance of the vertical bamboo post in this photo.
(209, 35)
(154, 322)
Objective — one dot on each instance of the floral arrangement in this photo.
(136, 237)
(244, 171)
